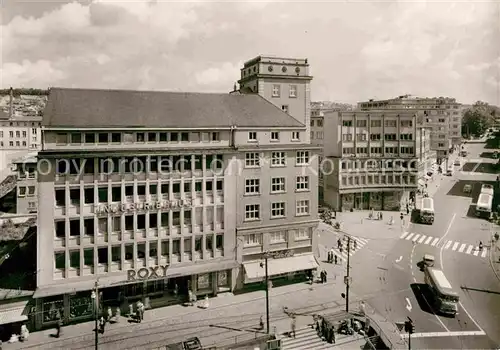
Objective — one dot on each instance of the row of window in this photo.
(378, 150)
(131, 222)
(115, 252)
(318, 135)
(275, 136)
(377, 137)
(255, 239)
(292, 90)
(363, 123)
(18, 144)
(18, 134)
(379, 164)
(135, 137)
(379, 179)
(23, 124)
(138, 165)
(255, 160)
(278, 210)
(29, 191)
(278, 185)
(318, 122)
(117, 193)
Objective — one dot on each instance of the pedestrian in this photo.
(329, 256)
(261, 323)
(332, 253)
(407, 210)
(294, 325)
(339, 243)
(326, 275)
(335, 259)
(333, 335)
(58, 325)
(480, 245)
(401, 216)
(381, 217)
(355, 244)
(102, 324)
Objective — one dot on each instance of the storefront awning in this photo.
(11, 313)
(253, 270)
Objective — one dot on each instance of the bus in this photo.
(488, 189)
(484, 205)
(445, 298)
(426, 212)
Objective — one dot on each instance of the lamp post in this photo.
(95, 297)
(264, 265)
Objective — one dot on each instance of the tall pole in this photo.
(96, 306)
(409, 340)
(348, 268)
(267, 296)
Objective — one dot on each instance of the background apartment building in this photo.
(370, 159)
(442, 114)
(225, 180)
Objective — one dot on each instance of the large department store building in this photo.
(153, 194)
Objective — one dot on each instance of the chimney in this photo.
(11, 102)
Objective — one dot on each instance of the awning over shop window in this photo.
(11, 313)
(253, 270)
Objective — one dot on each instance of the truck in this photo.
(484, 205)
(426, 211)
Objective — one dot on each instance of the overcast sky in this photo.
(357, 50)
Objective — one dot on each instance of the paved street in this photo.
(453, 239)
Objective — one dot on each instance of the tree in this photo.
(478, 118)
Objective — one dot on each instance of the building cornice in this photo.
(275, 76)
(133, 128)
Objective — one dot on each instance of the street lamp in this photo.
(95, 297)
(264, 265)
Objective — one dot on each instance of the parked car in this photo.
(457, 162)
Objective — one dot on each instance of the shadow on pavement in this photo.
(492, 143)
(485, 168)
(487, 155)
(424, 296)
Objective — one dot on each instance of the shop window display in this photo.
(52, 309)
(81, 305)
(204, 281)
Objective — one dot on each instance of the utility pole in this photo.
(410, 328)
(95, 297)
(266, 257)
(348, 277)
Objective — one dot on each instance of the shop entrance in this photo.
(180, 284)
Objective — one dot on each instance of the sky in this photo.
(357, 50)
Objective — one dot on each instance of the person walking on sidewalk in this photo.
(332, 253)
(58, 325)
(294, 325)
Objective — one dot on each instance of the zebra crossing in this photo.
(455, 246)
(356, 244)
(305, 338)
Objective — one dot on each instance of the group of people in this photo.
(325, 330)
(332, 257)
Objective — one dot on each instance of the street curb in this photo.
(492, 261)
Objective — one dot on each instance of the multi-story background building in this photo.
(427, 158)
(442, 114)
(26, 184)
(370, 159)
(153, 194)
(318, 110)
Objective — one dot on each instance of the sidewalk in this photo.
(495, 253)
(236, 309)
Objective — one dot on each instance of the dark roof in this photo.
(122, 108)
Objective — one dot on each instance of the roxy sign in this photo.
(159, 271)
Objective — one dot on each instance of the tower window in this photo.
(276, 90)
(293, 91)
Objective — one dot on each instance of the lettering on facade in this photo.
(144, 273)
(282, 254)
(101, 209)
